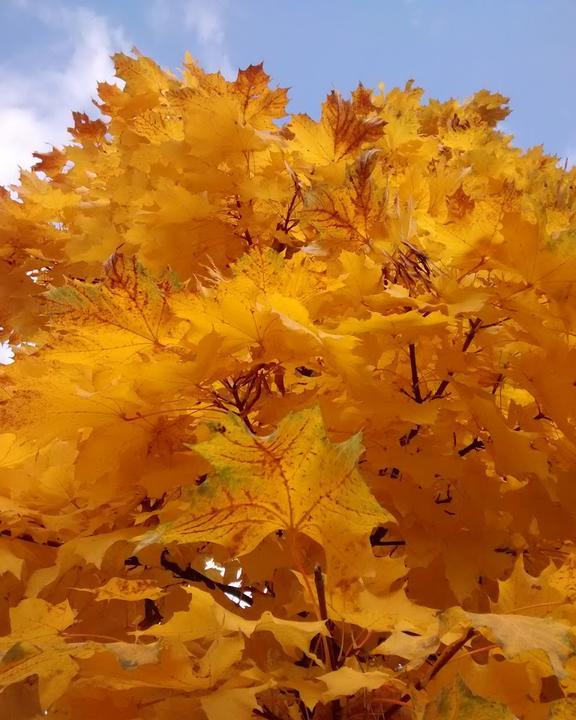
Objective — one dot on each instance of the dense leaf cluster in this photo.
(291, 427)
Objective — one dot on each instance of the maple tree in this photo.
(291, 427)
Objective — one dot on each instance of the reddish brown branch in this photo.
(191, 575)
(329, 643)
(449, 653)
(476, 444)
(474, 327)
(414, 370)
(410, 435)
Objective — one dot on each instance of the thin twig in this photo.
(192, 575)
(329, 648)
(414, 371)
(476, 444)
(410, 435)
(404, 700)
(449, 653)
(474, 327)
(439, 663)
(320, 592)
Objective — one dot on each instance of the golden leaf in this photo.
(294, 481)
(458, 702)
(207, 310)
(520, 635)
(340, 132)
(129, 590)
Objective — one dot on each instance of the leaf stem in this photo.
(329, 648)
(321, 593)
(449, 653)
(474, 327)
(414, 371)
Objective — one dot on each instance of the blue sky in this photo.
(54, 51)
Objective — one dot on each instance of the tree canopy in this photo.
(290, 430)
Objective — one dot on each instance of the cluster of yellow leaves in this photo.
(291, 430)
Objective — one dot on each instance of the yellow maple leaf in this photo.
(294, 481)
(124, 313)
(128, 590)
(546, 643)
(459, 702)
(341, 131)
(259, 105)
(37, 646)
(207, 309)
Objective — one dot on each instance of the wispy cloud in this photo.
(206, 20)
(36, 104)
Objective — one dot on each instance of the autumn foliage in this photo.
(291, 427)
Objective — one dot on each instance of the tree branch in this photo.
(328, 642)
(474, 327)
(192, 575)
(320, 591)
(476, 444)
(410, 435)
(414, 371)
(449, 653)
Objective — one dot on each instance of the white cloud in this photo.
(36, 104)
(206, 20)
